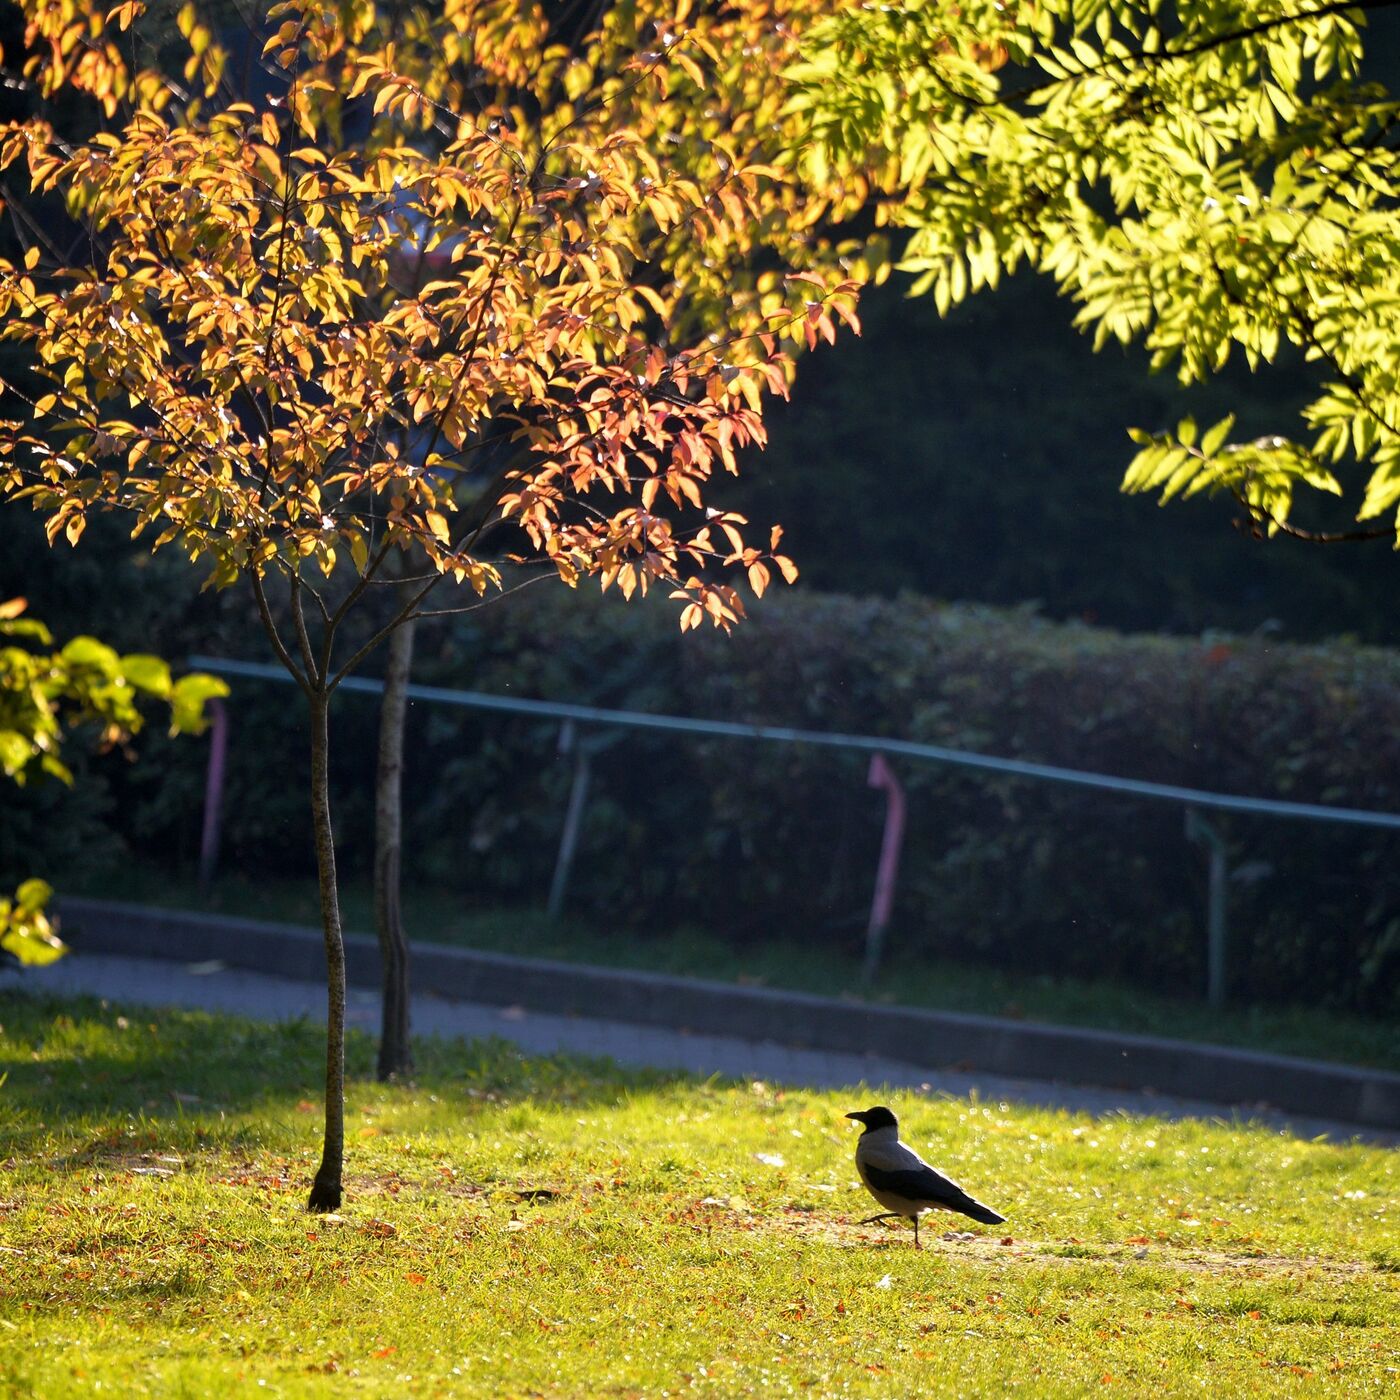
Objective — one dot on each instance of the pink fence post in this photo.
(213, 793)
(882, 776)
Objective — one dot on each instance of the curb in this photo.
(935, 1039)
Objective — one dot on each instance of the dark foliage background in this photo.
(979, 458)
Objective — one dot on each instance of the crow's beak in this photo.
(859, 1117)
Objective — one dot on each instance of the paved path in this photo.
(213, 987)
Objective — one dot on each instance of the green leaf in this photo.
(56, 768)
(1216, 435)
(32, 895)
(26, 627)
(88, 651)
(25, 931)
(15, 752)
(148, 673)
(188, 699)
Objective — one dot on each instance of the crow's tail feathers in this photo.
(966, 1205)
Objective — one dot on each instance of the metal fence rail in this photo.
(1193, 800)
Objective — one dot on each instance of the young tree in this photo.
(44, 694)
(719, 107)
(1217, 179)
(240, 355)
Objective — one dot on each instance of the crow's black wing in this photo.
(925, 1186)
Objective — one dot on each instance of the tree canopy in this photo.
(1214, 180)
(278, 301)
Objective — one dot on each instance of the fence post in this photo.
(213, 794)
(570, 742)
(1201, 832)
(882, 776)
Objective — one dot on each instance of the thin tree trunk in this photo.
(395, 1045)
(326, 1188)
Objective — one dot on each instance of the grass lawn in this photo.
(434, 917)
(560, 1228)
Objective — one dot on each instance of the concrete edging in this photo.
(935, 1039)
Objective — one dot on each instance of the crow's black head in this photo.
(874, 1118)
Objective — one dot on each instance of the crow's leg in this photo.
(888, 1215)
(917, 1245)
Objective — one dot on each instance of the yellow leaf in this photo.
(124, 14)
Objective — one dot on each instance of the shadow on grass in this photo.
(115, 1078)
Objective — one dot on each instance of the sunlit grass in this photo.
(552, 1227)
(521, 1227)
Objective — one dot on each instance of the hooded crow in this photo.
(902, 1181)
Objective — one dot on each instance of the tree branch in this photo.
(551, 572)
(315, 678)
(1206, 44)
(1261, 521)
(270, 627)
(403, 615)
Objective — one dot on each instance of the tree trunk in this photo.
(326, 1188)
(395, 1046)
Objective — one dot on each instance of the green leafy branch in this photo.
(1211, 180)
(1261, 474)
(44, 695)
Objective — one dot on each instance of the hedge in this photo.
(763, 840)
